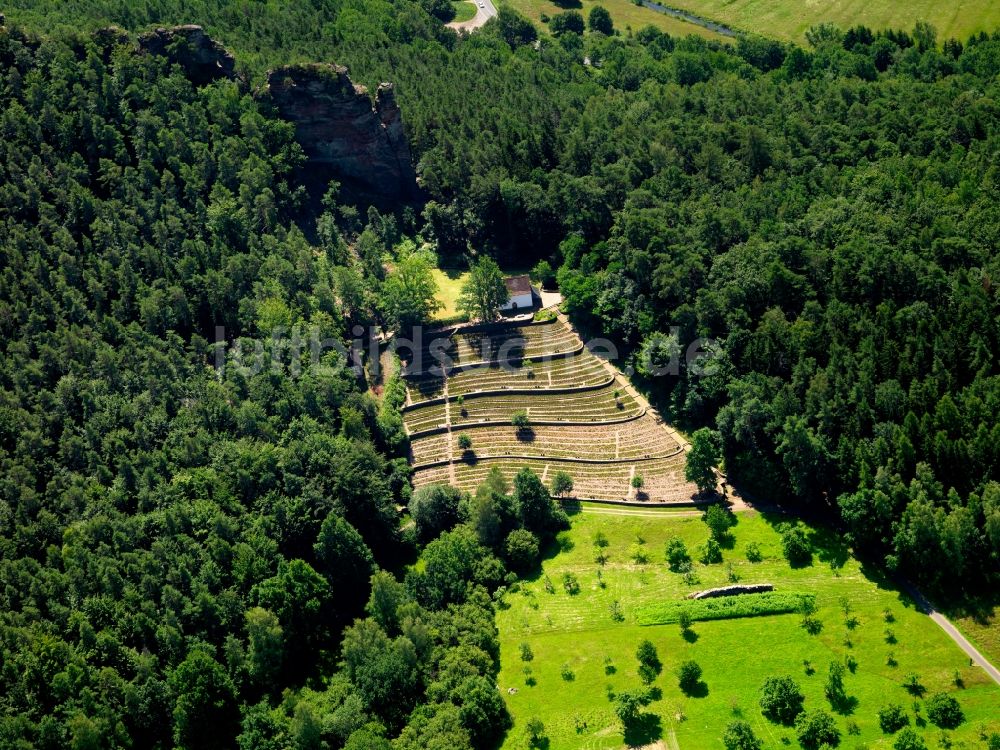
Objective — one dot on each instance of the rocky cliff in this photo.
(202, 58)
(346, 135)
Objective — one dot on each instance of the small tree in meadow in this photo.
(719, 520)
(562, 483)
(944, 711)
(908, 739)
(685, 621)
(535, 733)
(739, 736)
(711, 553)
(795, 546)
(834, 690)
(649, 661)
(526, 653)
(688, 676)
(816, 729)
(781, 699)
(678, 558)
(892, 718)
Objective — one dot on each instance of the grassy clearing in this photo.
(465, 10)
(449, 282)
(624, 13)
(577, 636)
(789, 19)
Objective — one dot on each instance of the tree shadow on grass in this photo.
(645, 730)
(846, 706)
(699, 690)
(690, 636)
(829, 547)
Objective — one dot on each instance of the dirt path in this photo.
(485, 10)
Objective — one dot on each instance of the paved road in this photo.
(485, 10)
(945, 624)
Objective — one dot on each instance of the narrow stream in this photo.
(690, 18)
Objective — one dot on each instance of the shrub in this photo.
(754, 554)
(464, 442)
(944, 711)
(908, 739)
(795, 546)
(520, 419)
(637, 482)
(678, 558)
(566, 673)
(616, 611)
(781, 699)
(689, 675)
(892, 718)
(600, 539)
(638, 554)
(816, 729)
(739, 736)
(711, 553)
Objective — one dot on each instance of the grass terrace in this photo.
(576, 370)
(663, 478)
(636, 439)
(599, 405)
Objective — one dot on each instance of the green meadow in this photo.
(789, 19)
(624, 13)
(584, 644)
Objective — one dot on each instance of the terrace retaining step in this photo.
(520, 457)
(562, 390)
(534, 423)
(455, 369)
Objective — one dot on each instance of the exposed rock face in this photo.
(747, 588)
(203, 59)
(344, 135)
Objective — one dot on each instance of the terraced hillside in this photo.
(465, 387)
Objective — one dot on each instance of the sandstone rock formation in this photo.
(203, 59)
(747, 588)
(345, 135)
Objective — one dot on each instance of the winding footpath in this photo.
(485, 10)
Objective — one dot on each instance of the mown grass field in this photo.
(449, 281)
(577, 634)
(465, 10)
(624, 13)
(789, 19)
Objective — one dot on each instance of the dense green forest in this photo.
(185, 549)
